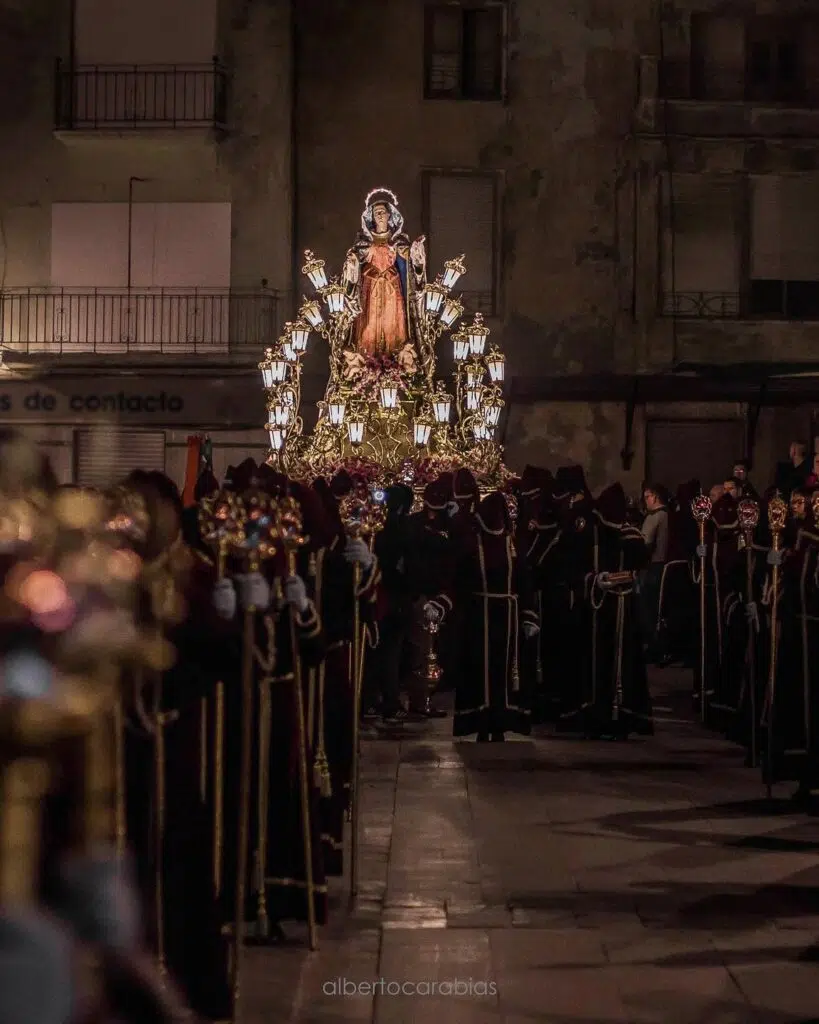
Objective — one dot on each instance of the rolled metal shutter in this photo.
(703, 450)
(102, 457)
(462, 211)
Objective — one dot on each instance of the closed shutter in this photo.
(705, 258)
(103, 457)
(703, 450)
(462, 213)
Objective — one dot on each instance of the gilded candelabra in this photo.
(389, 412)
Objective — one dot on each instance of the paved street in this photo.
(564, 882)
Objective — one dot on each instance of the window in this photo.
(717, 57)
(461, 217)
(701, 246)
(464, 53)
(172, 245)
(774, 52)
(784, 265)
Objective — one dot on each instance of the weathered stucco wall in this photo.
(251, 169)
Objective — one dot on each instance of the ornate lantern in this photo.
(277, 436)
(299, 336)
(454, 270)
(334, 297)
(336, 409)
(273, 368)
(496, 364)
(451, 312)
(474, 373)
(434, 296)
(491, 412)
(355, 429)
(311, 313)
(422, 428)
(482, 431)
(477, 333)
(460, 347)
(441, 406)
(389, 396)
(314, 269)
(473, 397)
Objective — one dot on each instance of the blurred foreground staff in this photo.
(175, 796)
(68, 627)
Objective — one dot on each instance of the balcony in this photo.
(128, 98)
(143, 321)
(689, 98)
(729, 328)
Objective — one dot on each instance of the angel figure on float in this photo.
(386, 275)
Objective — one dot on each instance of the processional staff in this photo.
(701, 510)
(748, 515)
(777, 516)
(354, 515)
(290, 529)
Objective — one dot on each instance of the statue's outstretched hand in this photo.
(352, 269)
(418, 253)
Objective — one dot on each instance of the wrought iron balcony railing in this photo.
(763, 300)
(166, 321)
(708, 83)
(119, 97)
(702, 305)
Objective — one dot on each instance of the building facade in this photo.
(634, 187)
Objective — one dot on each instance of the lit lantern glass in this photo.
(496, 364)
(336, 411)
(266, 368)
(389, 396)
(281, 413)
(299, 336)
(334, 297)
(274, 370)
(421, 430)
(441, 407)
(482, 432)
(491, 414)
(452, 310)
(311, 312)
(277, 436)
(434, 295)
(355, 430)
(477, 333)
(460, 347)
(289, 352)
(314, 269)
(473, 397)
(454, 270)
(474, 373)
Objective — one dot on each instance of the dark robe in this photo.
(613, 697)
(494, 588)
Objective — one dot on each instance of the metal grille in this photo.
(118, 321)
(103, 456)
(126, 96)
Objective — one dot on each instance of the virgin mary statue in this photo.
(386, 275)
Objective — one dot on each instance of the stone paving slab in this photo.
(567, 882)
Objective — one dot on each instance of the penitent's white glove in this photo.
(357, 551)
(254, 591)
(295, 594)
(702, 551)
(224, 599)
(775, 558)
(530, 630)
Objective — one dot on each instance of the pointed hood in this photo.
(493, 514)
(568, 481)
(611, 507)
(271, 481)
(341, 484)
(436, 496)
(465, 486)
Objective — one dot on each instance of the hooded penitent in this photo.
(436, 496)
(341, 485)
(316, 523)
(465, 487)
(611, 507)
(271, 481)
(569, 481)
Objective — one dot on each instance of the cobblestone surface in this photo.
(563, 882)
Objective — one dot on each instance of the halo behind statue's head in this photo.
(381, 197)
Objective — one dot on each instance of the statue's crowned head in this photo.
(381, 215)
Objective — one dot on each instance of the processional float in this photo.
(386, 416)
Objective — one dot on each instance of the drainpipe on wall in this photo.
(295, 269)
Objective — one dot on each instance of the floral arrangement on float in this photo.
(385, 416)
